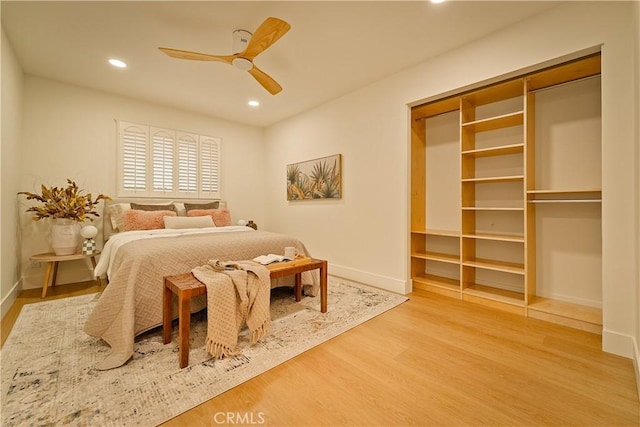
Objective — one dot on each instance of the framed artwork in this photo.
(315, 179)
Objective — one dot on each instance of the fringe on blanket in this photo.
(258, 333)
(219, 350)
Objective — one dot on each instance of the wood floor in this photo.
(432, 361)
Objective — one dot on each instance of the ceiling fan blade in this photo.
(265, 80)
(196, 56)
(267, 34)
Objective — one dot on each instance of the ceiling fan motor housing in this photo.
(240, 40)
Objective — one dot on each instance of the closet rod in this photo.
(564, 84)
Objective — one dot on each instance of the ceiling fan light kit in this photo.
(246, 47)
(242, 64)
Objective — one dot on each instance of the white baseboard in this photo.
(619, 344)
(10, 298)
(382, 282)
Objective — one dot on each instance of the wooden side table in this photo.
(52, 261)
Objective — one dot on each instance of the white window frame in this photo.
(141, 174)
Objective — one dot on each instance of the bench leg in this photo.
(298, 287)
(166, 314)
(184, 320)
(323, 287)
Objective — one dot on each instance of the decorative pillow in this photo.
(166, 207)
(188, 222)
(116, 214)
(221, 217)
(145, 220)
(210, 205)
(180, 208)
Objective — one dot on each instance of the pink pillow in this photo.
(221, 217)
(145, 220)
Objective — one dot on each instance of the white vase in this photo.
(65, 236)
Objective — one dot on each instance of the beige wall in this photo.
(11, 105)
(364, 235)
(69, 131)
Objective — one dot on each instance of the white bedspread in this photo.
(117, 240)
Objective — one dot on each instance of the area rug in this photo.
(48, 374)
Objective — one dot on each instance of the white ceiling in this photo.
(333, 47)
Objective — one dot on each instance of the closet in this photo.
(506, 195)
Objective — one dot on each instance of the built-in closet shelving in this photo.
(494, 189)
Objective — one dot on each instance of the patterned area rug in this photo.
(48, 374)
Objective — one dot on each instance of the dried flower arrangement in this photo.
(67, 203)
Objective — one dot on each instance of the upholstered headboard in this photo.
(108, 229)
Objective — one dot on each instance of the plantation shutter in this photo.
(134, 141)
(209, 167)
(160, 162)
(187, 164)
(162, 143)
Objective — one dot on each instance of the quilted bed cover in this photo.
(132, 302)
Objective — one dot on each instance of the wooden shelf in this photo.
(493, 123)
(436, 256)
(565, 201)
(495, 93)
(444, 282)
(571, 71)
(433, 232)
(490, 179)
(496, 294)
(436, 108)
(565, 196)
(495, 151)
(518, 238)
(575, 191)
(480, 208)
(567, 309)
(488, 264)
(565, 313)
(437, 284)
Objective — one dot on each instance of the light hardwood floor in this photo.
(432, 361)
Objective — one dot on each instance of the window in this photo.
(160, 162)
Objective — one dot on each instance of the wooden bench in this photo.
(186, 286)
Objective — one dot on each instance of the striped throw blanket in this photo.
(238, 292)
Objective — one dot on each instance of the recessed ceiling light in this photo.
(117, 63)
(254, 103)
(437, 1)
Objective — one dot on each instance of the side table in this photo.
(52, 261)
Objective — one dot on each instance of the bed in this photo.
(136, 261)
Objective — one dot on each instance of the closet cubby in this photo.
(506, 195)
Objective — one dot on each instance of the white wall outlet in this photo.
(34, 264)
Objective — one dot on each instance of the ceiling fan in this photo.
(267, 34)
